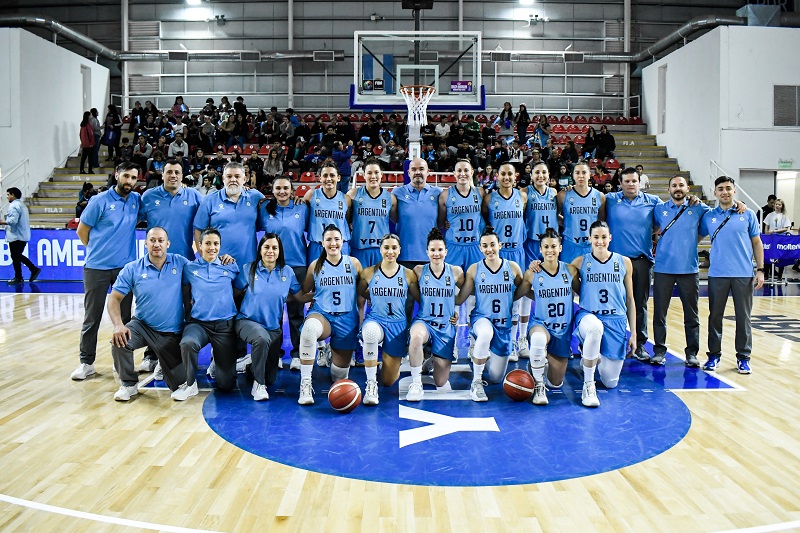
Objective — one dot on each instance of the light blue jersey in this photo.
(542, 212)
(387, 296)
(579, 213)
(494, 294)
(603, 286)
(506, 216)
(265, 294)
(325, 211)
(437, 296)
(464, 216)
(175, 213)
(553, 302)
(335, 287)
(370, 218)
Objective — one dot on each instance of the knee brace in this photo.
(338, 373)
(483, 333)
(538, 345)
(371, 335)
(312, 329)
(516, 307)
(525, 306)
(591, 331)
(496, 368)
(609, 370)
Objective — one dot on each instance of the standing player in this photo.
(497, 282)
(436, 321)
(155, 282)
(580, 207)
(551, 332)
(606, 297)
(370, 214)
(504, 209)
(735, 243)
(333, 278)
(108, 230)
(386, 285)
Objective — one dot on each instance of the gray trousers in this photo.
(222, 337)
(95, 288)
(742, 291)
(266, 349)
(296, 313)
(689, 292)
(642, 267)
(166, 347)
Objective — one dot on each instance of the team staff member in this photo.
(287, 219)
(18, 234)
(267, 283)
(629, 214)
(327, 205)
(370, 214)
(155, 282)
(580, 207)
(209, 304)
(735, 243)
(415, 213)
(108, 230)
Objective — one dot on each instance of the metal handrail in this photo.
(6, 182)
(717, 171)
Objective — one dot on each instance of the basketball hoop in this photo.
(417, 98)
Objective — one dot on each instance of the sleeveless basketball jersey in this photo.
(335, 287)
(506, 216)
(579, 213)
(370, 218)
(553, 302)
(387, 295)
(437, 295)
(326, 211)
(494, 294)
(603, 286)
(542, 212)
(464, 216)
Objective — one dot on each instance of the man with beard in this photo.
(108, 231)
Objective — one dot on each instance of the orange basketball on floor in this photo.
(518, 385)
(345, 395)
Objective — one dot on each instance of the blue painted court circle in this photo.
(532, 444)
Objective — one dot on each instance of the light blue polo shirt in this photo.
(263, 302)
(236, 222)
(631, 224)
(732, 249)
(289, 223)
(19, 226)
(212, 289)
(158, 293)
(417, 214)
(112, 240)
(677, 249)
(173, 213)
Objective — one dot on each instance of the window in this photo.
(786, 105)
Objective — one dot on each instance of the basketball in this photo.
(518, 385)
(345, 395)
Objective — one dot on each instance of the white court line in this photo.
(764, 529)
(97, 517)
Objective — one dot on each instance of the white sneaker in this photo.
(514, 355)
(158, 373)
(280, 363)
(324, 356)
(184, 392)
(242, 362)
(540, 394)
(83, 371)
(126, 393)
(211, 371)
(589, 395)
(259, 392)
(147, 365)
(295, 364)
(477, 393)
(371, 393)
(306, 393)
(415, 392)
(524, 351)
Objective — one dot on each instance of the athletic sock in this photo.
(372, 372)
(305, 371)
(416, 374)
(588, 373)
(477, 371)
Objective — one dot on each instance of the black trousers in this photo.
(18, 258)
(689, 292)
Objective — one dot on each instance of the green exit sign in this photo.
(785, 164)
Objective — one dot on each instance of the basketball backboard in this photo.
(450, 61)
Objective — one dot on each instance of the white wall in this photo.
(719, 103)
(46, 103)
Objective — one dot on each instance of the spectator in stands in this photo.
(302, 132)
(341, 156)
(319, 128)
(198, 162)
(370, 131)
(136, 116)
(150, 110)
(267, 132)
(363, 152)
(524, 177)
(161, 145)
(209, 109)
(564, 177)
(311, 162)
(286, 130)
(472, 129)
(569, 154)
(125, 152)
(236, 156)
(522, 120)
(225, 130)
(18, 233)
(240, 132)
(149, 130)
(767, 209)
(225, 105)
(499, 154)
(442, 130)
(255, 164)
(240, 108)
(608, 187)
(446, 161)
(164, 127)
(86, 192)
(430, 156)
(205, 186)
(179, 108)
(605, 143)
(293, 118)
(554, 162)
(273, 167)
(113, 131)
(464, 150)
(506, 122)
(543, 131)
(178, 149)
(515, 155)
(600, 178)
(87, 142)
(142, 152)
(589, 147)
(645, 181)
(153, 178)
(346, 131)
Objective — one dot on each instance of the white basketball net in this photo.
(417, 98)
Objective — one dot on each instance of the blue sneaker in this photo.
(743, 366)
(712, 363)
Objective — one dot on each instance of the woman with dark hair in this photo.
(327, 205)
(179, 108)
(522, 120)
(239, 133)
(605, 143)
(287, 219)
(569, 154)
(113, 131)
(267, 284)
(225, 105)
(543, 131)
(86, 192)
(590, 145)
(506, 121)
(333, 278)
(87, 142)
(341, 154)
(273, 167)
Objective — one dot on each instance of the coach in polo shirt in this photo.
(629, 214)
(735, 242)
(108, 230)
(233, 211)
(156, 283)
(415, 214)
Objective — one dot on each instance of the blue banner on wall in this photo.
(58, 252)
(782, 250)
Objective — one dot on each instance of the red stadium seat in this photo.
(585, 129)
(219, 147)
(608, 120)
(612, 164)
(365, 117)
(308, 177)
(302, 190)
(265, 150)
(448, 178)
(552, 119)
(558, 128)
(482, 119)
(594, 119)
(378, 150)
(497, 128)
(636, 120)
(579, 140)
(463, 119)
(73, 223)
(437, 118)
(285, 151)
(622, 120)
(572, 128)
(291, 175)
(531, 128)
(248, 149)
(309, 117)
(566, 119)
(580, 119)
(594, 162)
(325, 117)
(493, 118)
(394, 177)
(234, 148)
(352, 117)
